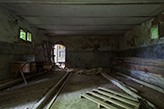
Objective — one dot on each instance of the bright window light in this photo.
(22, 34)
(154, 32)
(29, 36)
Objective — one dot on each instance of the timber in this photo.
(42, 102)
(144, 83)
(117, 97)
(145, 68)
(110, 100)
(12, 82)
(117, 83)
(99, 102)
(120, 94)
(56, 95)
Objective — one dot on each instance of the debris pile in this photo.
(92, 71)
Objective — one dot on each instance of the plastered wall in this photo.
(88, 51)
(11, 47)
(138, 42)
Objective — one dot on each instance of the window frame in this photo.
(151, 32)
(26, 40)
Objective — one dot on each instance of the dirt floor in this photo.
(77, 84)
(21, 96)
(155, 97)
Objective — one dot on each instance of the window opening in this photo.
(29, 37)
(154, 32)
(59, 52)
(22, 34)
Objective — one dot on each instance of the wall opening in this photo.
(60, 55)
(154, 32)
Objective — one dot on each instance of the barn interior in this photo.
(81, 54)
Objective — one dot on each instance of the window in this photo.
(22, 34)
(29, 36)
(61, 54)
(26, 36)
(154, 32)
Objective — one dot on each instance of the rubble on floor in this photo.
(92, 71)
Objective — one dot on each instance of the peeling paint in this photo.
(11, 48)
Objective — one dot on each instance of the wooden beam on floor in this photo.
(56, 95)
(117, 97)
(120, 85)
(99, 102)
(117, 83)
(143, 83)
(110, 100)
(120, 94)
(41, 103)
(12, 82)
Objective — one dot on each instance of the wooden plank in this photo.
(116, 82)
(155, 70)
(99, 102)
(110, 100)
(145, 63)
(47, 96)
(49, 105)
(10, 83)
(142, 61)
(120, 94)
(144, 83)
(120, 85)
(117, 97)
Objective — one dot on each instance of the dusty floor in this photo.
(155, 97)
(69, 97)
(25, 97)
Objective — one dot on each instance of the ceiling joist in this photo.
(84, 2)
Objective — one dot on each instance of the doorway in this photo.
(60, 55)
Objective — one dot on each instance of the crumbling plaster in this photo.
(140, 36)
(88, 51)
(138, 43)
(11, 47)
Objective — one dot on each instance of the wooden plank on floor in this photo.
(122, 86)
(99, 102)
(110, 100)
(117, 97)
(120, 94)
(144, 83)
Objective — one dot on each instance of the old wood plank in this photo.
(144, 83)
(120, 94)
(142, 61)
(47, 96)
(110, 100)
(150, 69)
(117, 97)
(116, 82)
(99, 102)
